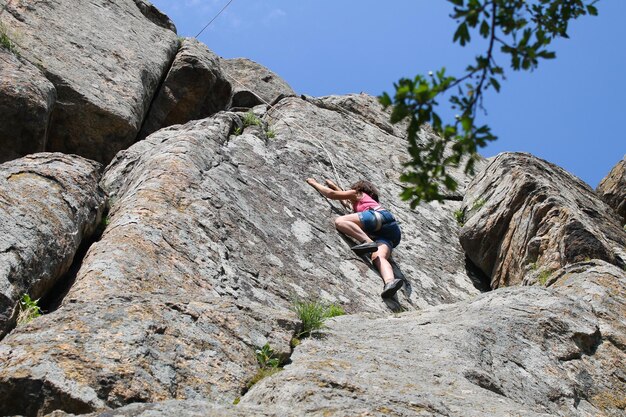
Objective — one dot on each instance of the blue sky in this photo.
(568, 112)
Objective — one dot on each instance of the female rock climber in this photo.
(374, 227)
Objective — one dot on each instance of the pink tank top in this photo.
(366, 202)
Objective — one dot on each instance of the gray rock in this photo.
(603, 287)
(252, 83)
(194, 88)
(183, 408)
(105, 59)
(612, 189)
(155, 15)
(211, 238)
(523, 214)
(50, 204)
(515, 351)
(26, 100)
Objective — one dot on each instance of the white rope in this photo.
(215, 17)
(330, 158)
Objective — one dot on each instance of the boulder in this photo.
(194, 88)
(525, 215)
(252, 83)
(212, 236)
(26, 101)
(612, 189)
(514, 351)
(50, 204)
(105, 59)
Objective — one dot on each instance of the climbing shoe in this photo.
(365, 248)
(389, 290)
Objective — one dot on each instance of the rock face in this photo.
(194, 88)
(26, 100)
(211, 238)
(212, 234)
(252, 83)
(516, 351)
(524, 215)
(50, 203)
(612, 189)
(105, 59)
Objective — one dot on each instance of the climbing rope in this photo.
(274, 108)
(316, 140)
(214, 17)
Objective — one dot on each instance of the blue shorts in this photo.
(389, 232)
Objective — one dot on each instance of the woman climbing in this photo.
(374, 227)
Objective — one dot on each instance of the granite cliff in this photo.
(154, 201)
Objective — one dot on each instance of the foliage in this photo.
(237, 131)
(543, 276)
(459, 215)
(270, 134)
(269, 364)
(478, 203)
(6, 41)
(265, 357)
(312, 315)
(250, 119)
(262, 373)
(29, 310)
(520, 30)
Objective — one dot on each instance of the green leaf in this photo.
(495, 83)
(462, 34)
(592, 10)
(484, 29)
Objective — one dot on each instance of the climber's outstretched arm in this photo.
(333, 194)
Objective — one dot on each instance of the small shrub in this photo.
(29, 310)
(250, 119)
(312, 315)
(268, 363)
(265, 357)
(459, 215)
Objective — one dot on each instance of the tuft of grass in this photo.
(237, 131)
(29, 310)
(6, 41)
(270, 134)
(543, 276)
(478, 203)
(236, 400)
(312, 315)
(459, 215)
(251, 119)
